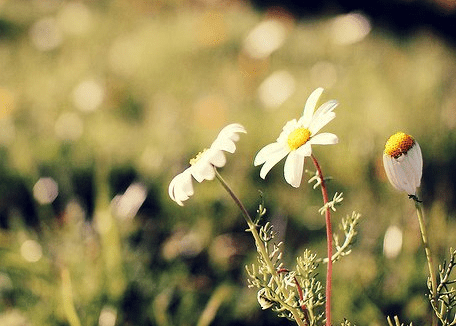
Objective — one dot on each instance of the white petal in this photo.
(181, 188)
(416, 160)
(305, 150)
(227, 136)
(322, 116)
(290, 125)
(224, 144)
(420, 157)
(310, 105)
(231, 131)
(388, 163)
(202, 170)
(324, 138)
(217, 159)
(272, 160)
(400, 173)
(286, 130)
(409, 173)
(319, 122)
(325, 108)
(402, 177)
(268, 150)
(293, 169)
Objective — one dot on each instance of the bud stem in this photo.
(427, 250)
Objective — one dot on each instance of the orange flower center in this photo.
(398, 144)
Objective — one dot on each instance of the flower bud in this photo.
(403, 162)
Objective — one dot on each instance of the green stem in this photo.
(427, 250)
(259, 244)
(329, 238)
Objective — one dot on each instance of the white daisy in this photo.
(297, 138)
(403, 162)
(202, 166)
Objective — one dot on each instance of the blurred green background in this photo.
(103, 102)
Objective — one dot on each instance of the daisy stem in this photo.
(427, 250)
(259, 244)
(246, 215)
(324, 193)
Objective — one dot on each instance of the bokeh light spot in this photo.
(350, 28)
(126, 206)
(45, 191)
(31, 251)
(265, 38)
(276, 89)
(88, 95)
(46, 34)
(108, 316)
(392, 242)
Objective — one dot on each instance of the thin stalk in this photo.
(427, 250)
(259, 244)
(329, 239)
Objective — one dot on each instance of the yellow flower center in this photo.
(399, 144)
(297, 138)
(197, 157)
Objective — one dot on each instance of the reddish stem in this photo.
(301, 295)
(324, 193)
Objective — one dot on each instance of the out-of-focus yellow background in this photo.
(103, 102)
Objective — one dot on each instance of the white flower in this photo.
(202, 166)
(296, 140)
(403, 162)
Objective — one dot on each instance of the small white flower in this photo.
(202, 166)
(403, 162)
(297, 138)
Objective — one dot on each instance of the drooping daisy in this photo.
(297, 138)
(403, 162)
(202, 166)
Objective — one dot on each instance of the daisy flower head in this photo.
(202, 166)
(297, 138)
(403, 162)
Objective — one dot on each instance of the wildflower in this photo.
(403, 162)
(202, 166)
(296, 139)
